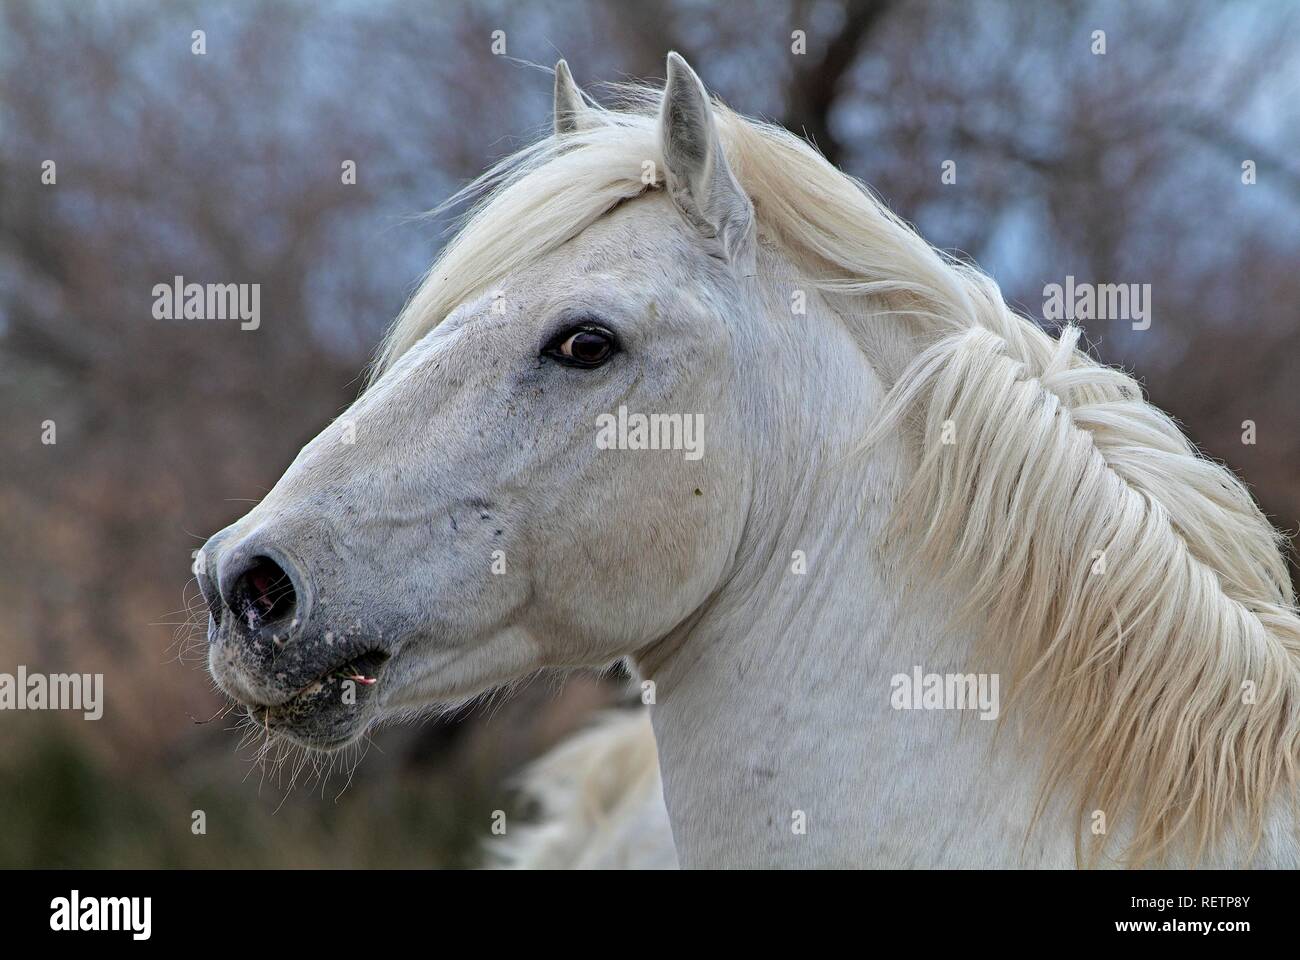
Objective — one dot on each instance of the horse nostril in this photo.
(262, 593)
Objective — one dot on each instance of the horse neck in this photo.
(777, 741)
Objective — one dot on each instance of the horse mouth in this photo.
(363, 669)
(330, 711)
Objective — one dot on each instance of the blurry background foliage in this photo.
(1122, 168)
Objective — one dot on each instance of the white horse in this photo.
(896, 481)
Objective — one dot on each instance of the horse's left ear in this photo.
(695, 169)
(571, 112)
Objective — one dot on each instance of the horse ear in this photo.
(571, 111)
(695, 168)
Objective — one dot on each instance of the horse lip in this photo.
(365, 666)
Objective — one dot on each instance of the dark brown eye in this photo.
(585, 346)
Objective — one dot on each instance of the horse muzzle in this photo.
(306, 676)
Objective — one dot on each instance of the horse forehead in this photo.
(645, 234)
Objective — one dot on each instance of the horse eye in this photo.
(585, 346)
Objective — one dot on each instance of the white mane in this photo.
(1136, 595)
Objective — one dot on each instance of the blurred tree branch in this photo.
(816, 82)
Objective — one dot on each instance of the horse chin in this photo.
(317, 727)
(324, 737)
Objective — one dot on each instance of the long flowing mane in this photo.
(1136, 594)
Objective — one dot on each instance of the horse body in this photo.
(898, 474)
